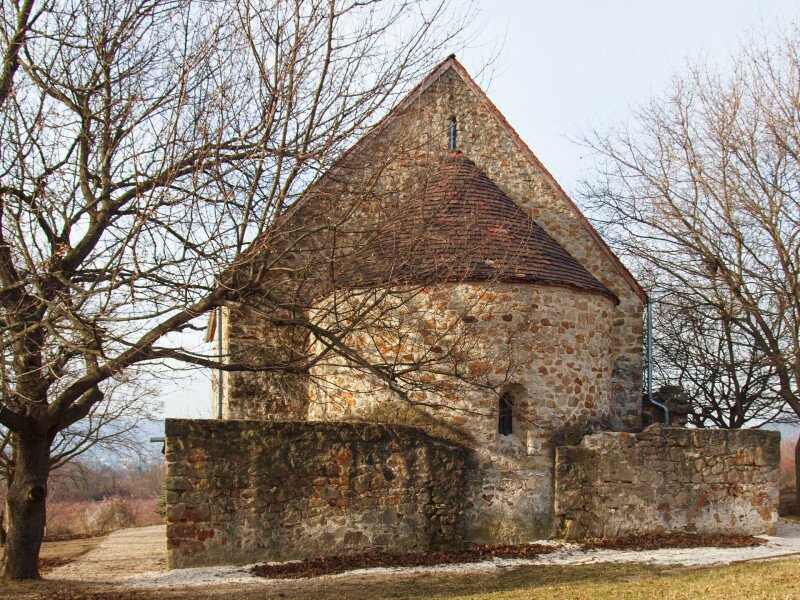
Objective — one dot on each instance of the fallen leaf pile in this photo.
(327, 565)
(655, 541)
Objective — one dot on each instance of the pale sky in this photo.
(567, 66)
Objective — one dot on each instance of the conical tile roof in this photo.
(464, 228)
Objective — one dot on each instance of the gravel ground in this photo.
(135, 559)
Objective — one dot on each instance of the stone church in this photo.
(495, 397)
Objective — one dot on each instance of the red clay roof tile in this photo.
(464, 228)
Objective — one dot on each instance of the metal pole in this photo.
(660, 405)
(219, 356)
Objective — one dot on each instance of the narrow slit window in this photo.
(506, 414)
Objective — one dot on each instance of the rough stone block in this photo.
(242, 492)
(669, 479)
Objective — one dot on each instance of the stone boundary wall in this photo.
(669, 479)
(240, 492)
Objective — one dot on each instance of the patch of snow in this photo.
(786, 542)
(196, 576)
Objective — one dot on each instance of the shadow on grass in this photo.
(418, 586)
(425, 586)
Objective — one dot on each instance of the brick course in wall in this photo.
(669, 479)
(240, 492)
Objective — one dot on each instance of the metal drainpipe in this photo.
(219, 356)
(660, 405)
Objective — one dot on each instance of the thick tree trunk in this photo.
(26, 505)
(797, 477)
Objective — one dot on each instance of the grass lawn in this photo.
(768, 579)
(765, 579)
(591, 582)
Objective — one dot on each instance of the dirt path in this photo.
(58, 553)
(122, 554)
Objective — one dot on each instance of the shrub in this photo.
(110, 514)
(787, 462)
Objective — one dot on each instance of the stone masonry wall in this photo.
(262, 395)
(382, 171)
(548, 347)
(669, 479)
(239, 492)
(422, 132)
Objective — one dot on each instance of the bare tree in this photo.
(112, 428)
(703, 191)
(143, 145)
(727, 378)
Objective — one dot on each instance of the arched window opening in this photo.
(506, 414)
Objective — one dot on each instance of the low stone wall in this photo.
(240, 492)
(669, 479)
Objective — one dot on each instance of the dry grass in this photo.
(98, 517)
(591, 582)
(787, 500)
(787, 462)
(764, 579)
(55, 554)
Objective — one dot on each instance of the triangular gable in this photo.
(528, 153)
(451, 63)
